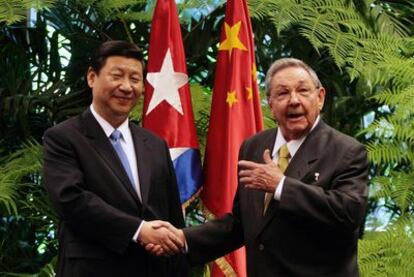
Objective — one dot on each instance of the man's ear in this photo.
(321, 97)
(90, 77)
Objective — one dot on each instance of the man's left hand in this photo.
(264, 177)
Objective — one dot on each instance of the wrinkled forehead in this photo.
(291, 76)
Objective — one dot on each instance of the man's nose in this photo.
(294, 98)
(126, 85)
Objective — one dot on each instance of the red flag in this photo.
(235, 115)
(167, 102)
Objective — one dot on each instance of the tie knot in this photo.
(284, 151)
(116, 135)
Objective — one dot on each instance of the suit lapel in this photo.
(299, 166)
(104, 148)
(142, 153)
(268, 143)
(257, 196)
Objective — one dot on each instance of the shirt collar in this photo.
(107, 127)
(292, 145)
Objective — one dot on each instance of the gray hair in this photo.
(283, 63)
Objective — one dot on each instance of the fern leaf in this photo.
(388, 153)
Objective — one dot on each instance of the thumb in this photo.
(157, 224)
(266, 157)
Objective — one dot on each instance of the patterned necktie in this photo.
(282, 162)
(115, 139)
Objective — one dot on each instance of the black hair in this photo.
(115, 48)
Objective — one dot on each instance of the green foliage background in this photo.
(361, 49)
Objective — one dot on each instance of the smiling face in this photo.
(116, 88)
(295, 101)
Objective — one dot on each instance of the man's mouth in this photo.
(293, 115)
(125, 98)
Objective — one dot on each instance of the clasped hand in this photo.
(160, 238)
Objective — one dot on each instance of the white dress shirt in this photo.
(293, 147)
(128, 146)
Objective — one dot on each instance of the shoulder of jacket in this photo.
(260, 136)
(146, 134)
(345, 139)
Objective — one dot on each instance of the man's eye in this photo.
(304, 91)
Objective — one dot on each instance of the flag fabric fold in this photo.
(235, 115)
(167, 102)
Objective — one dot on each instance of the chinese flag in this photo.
(235, 115)
(167, 102)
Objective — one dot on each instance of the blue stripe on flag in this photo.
(188, 171)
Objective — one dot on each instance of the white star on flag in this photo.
(166, 83)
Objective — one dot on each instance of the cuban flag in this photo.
(167, 102)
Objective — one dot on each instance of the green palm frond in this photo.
(145, 16)
(397, 98)
(389, 128)
(12, 11)
(388, 253)
(390, 70)
(390, 152)
(317, 29)
(355, 25)
(20, 164)
(121, 9)
(40, 4)
(341, 46)
(259, 9)
(388, 23)
(8, 194)
(355, 61)
(25, 161)
(201, 102)
(282, 13)
(198, 4)
(398, 186)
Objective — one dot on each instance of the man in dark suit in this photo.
(302, 191)
(110, 181)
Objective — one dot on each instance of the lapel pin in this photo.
(317, 176)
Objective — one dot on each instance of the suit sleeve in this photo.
(83, 211)
(217, 237)
(343, 205)
(213, 239)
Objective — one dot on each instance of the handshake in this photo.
(160, 238)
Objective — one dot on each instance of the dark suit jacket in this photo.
(98, 209)
(313, 229)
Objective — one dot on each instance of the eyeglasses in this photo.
(286, 94)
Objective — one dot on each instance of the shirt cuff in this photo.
(278, 192)
(135, 237)
(185, 250)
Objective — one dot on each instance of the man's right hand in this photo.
(161, 238)
(157, 249)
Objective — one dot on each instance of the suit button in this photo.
(261, 247)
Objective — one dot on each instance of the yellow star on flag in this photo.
(254, 72)
(249, 93)
(231, 98)
(232, 38)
